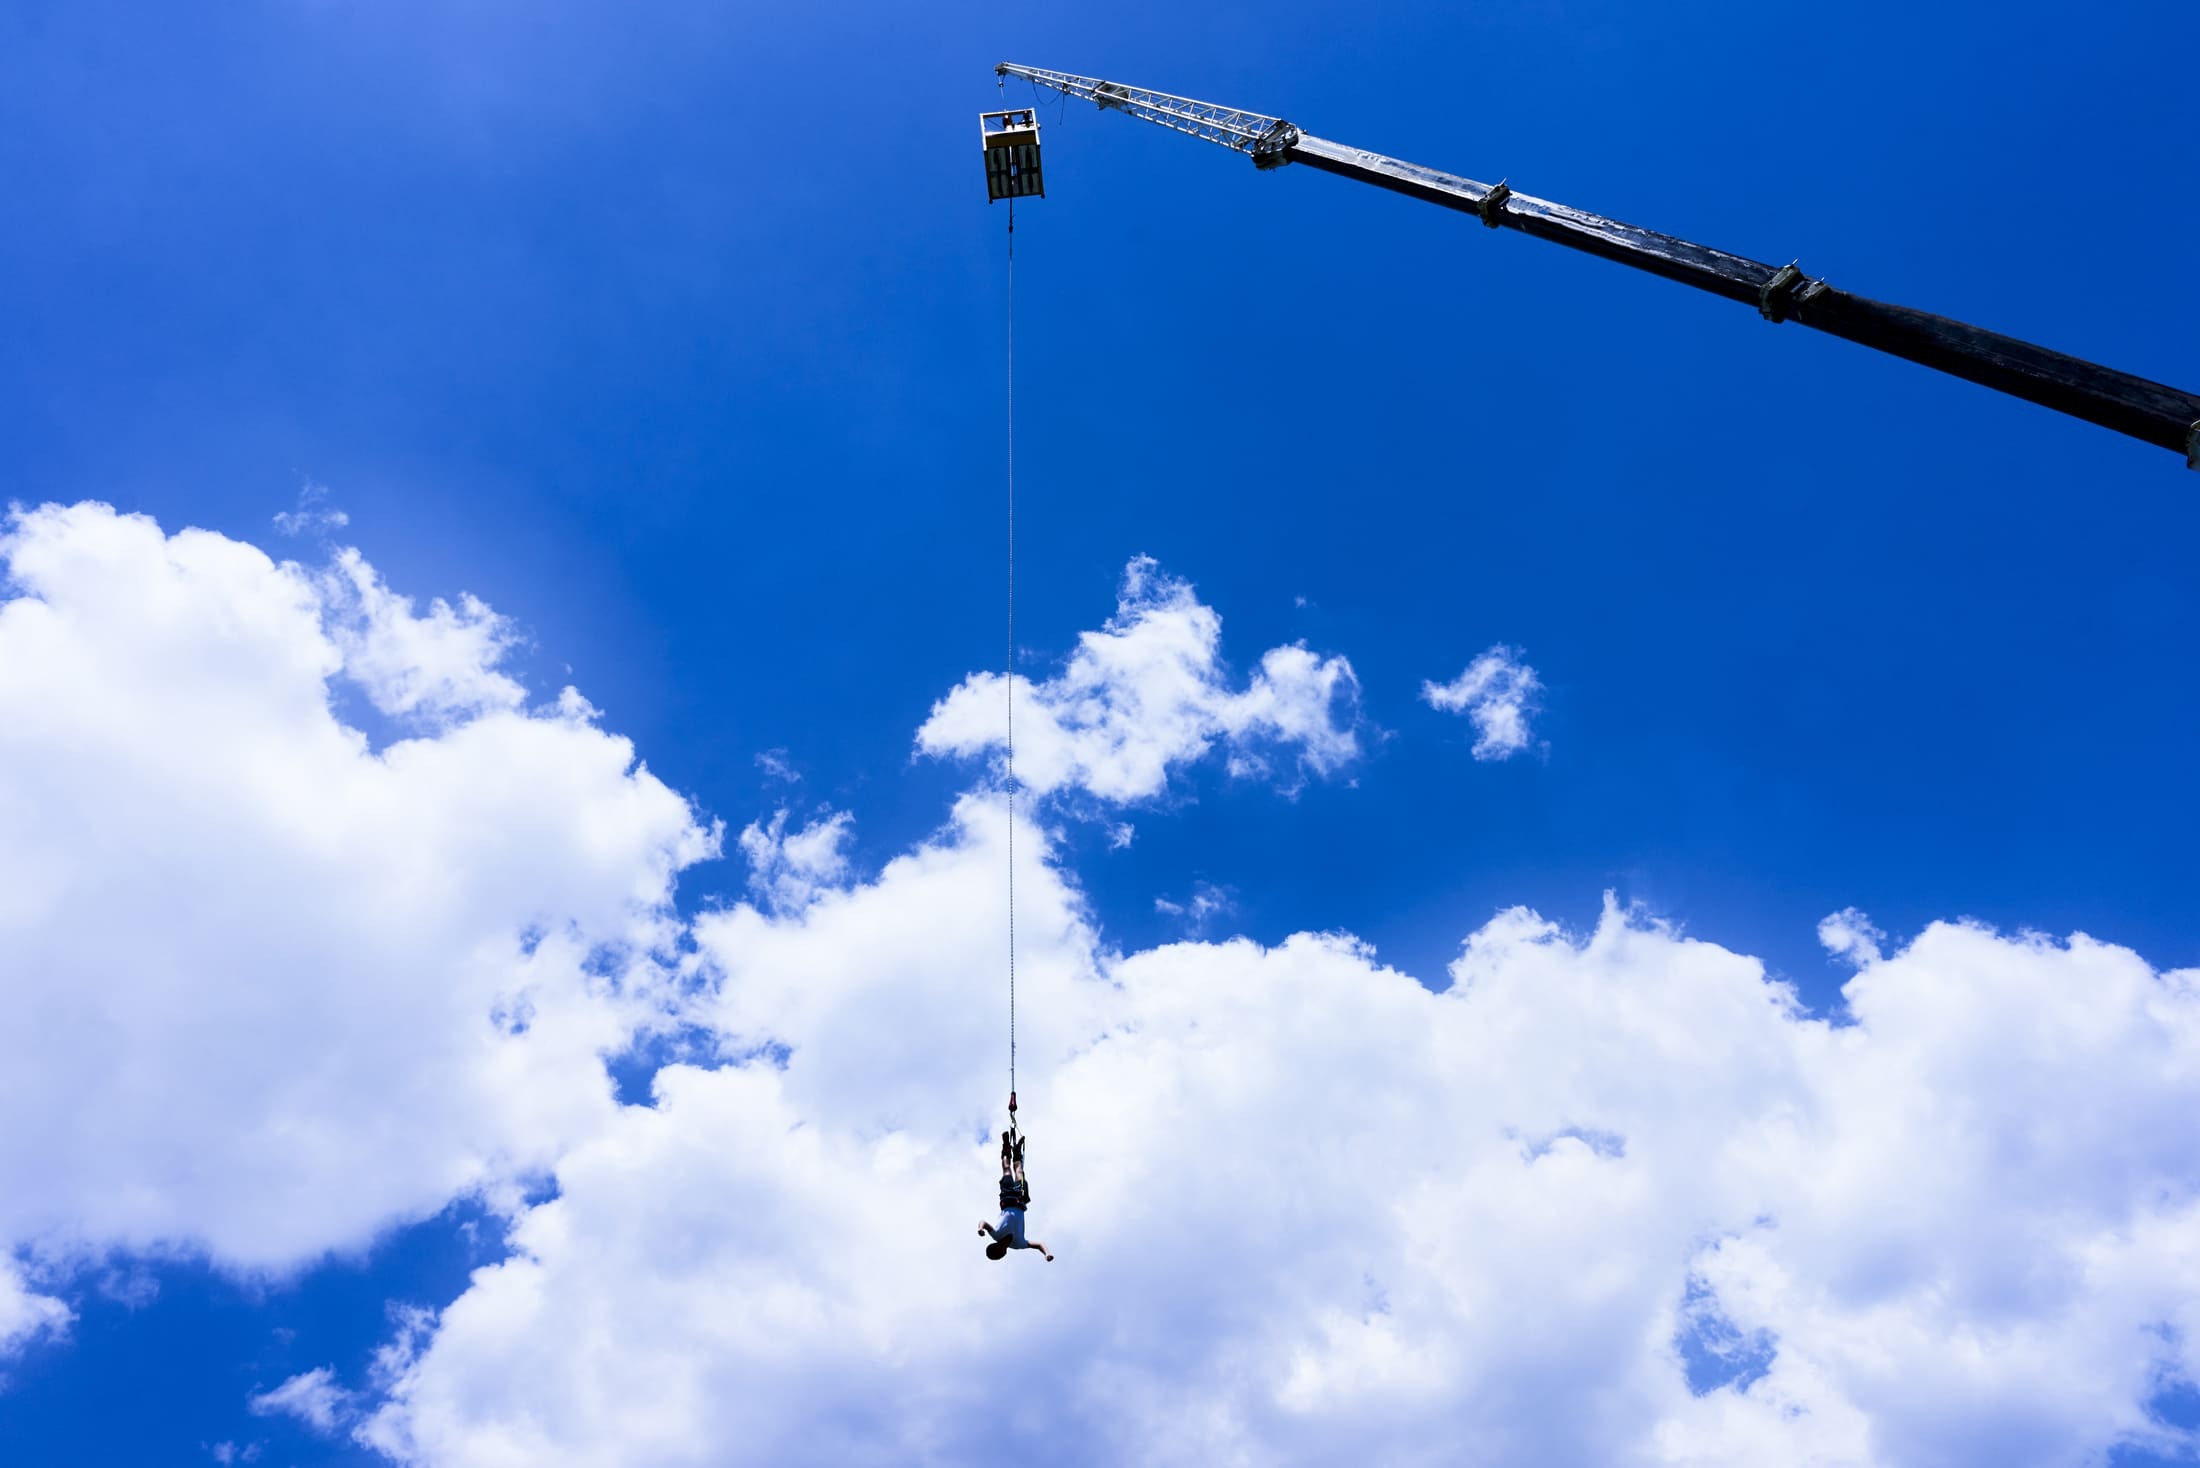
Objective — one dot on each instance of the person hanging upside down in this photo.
(1015, 1198)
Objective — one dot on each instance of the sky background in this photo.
(674, 334)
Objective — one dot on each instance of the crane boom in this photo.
(2142, 409)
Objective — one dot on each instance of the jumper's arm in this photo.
(2130, 405)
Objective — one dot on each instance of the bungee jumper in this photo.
(1011, 144)
(1009, 1233)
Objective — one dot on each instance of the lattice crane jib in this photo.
(2131, 405)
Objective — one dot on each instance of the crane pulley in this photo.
(2142, 409)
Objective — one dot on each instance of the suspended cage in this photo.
(1011, 154)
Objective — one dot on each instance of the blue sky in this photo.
(674, 335)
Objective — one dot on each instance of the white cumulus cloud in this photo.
(438, 667)
(313, 512)
(1603, 1197)
(1206, 904)
(1149, 692)
(1608, 1198)
(26, 1314)
(1849, 934)
(268, 990)
(1499, 694)
(313, 1397)
(788, 868)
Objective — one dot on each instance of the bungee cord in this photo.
(1009, 665)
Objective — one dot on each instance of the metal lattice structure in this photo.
(1210, 122)
(2131, 405)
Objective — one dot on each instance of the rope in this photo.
(1011, 662)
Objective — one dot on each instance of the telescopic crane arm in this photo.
(2130, 405)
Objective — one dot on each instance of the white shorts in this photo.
(1010, 1230)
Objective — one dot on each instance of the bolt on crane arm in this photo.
(2135, 406)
